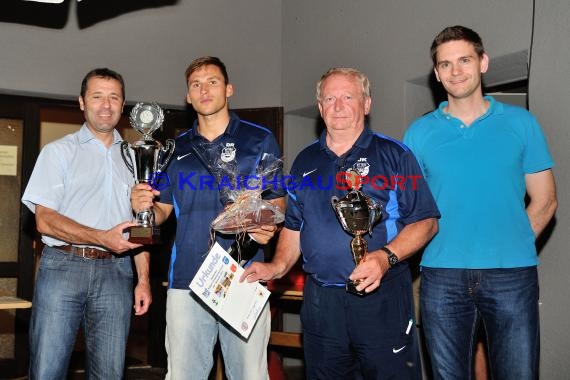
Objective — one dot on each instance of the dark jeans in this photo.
(454, 301)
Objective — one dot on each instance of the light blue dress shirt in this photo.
(80, 178)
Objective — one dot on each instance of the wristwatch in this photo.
(392, 258)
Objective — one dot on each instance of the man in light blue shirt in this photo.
(79, 191)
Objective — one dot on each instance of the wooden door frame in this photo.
(25, 109)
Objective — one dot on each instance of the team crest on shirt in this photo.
(228, 153)
(361, 166)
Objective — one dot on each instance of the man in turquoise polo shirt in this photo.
(480, 157)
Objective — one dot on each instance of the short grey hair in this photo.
(362, 78)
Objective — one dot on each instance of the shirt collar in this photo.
(231, 129)
(362, 142)
(494, 108)
(86, 135)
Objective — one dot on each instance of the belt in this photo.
(327, 284)
(86, 252)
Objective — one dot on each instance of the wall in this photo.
(549, 98)
(389, 40)
(152, 49)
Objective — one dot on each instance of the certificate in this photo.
(9, 160)
(217, 284)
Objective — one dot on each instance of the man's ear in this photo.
(436, 74)
(367, 105)
(81, 103)
(229, 90)
(484, 63)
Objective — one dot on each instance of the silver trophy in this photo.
(357, 214)
(145, 158)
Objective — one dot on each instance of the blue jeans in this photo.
(70, 290)
(454, 301)
(191, 332)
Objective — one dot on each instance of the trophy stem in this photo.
(145, 218)
(359, 248)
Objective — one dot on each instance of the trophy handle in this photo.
(125, 153)
(168, 149)
(375, 214)
(334, 201)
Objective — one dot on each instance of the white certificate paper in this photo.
(217, 284)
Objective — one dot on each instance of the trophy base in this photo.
(351, 288)
(145, 235)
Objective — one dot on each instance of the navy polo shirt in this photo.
(195, 194)
(395, 182)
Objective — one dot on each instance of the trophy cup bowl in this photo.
(145, 158)
(357, 213)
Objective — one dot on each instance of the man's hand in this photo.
(375, 264)
(372, 268)
(143, 297)
(286, 255)
(257, 271)
(263, 234)
(113, 239)
(142, 196)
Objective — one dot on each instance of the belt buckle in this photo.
(83, 250)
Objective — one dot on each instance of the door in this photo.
(17, 149)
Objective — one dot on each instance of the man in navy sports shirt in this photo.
(346, 336)
(191, 328)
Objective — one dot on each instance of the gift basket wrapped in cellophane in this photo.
(242, 194)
